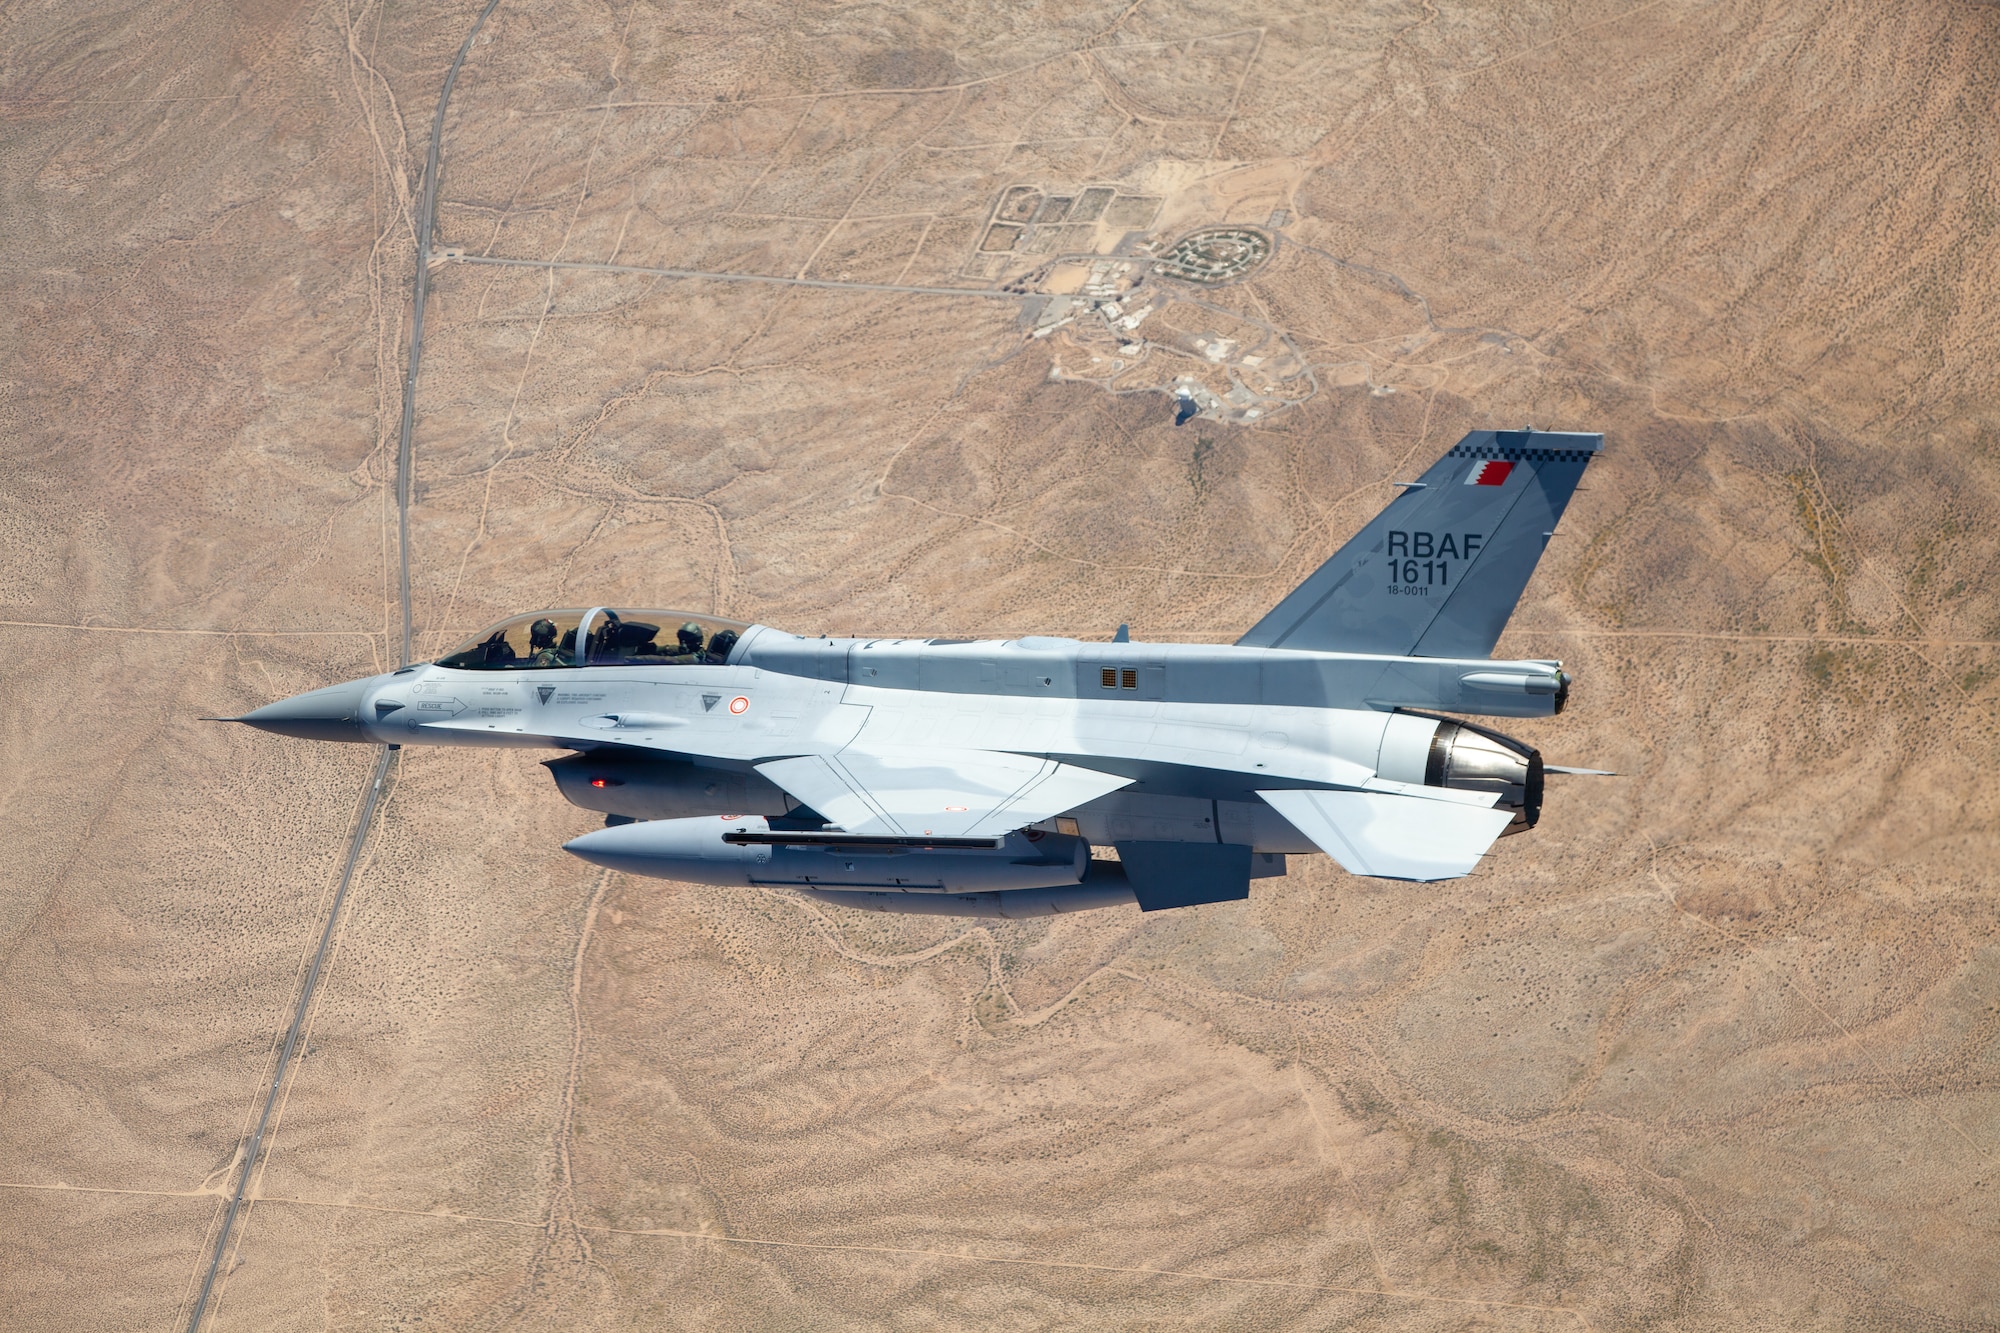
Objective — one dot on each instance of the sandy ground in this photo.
(1714, 1048)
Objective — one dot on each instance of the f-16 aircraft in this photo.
(975, 778)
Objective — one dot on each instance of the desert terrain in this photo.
(1715, 1047)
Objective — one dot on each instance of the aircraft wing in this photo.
(1391, 836)
(912, 791)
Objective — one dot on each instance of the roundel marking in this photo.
(739, 705)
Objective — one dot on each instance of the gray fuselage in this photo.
(1199, 727)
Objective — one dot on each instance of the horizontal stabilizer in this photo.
(1579, 772)
(917, 791)
(1437, 573)
(1392, 837)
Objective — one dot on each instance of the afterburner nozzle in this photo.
(329, 714)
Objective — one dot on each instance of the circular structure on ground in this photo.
(1215, 255)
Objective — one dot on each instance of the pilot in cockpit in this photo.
(542, 650)
(691, 636)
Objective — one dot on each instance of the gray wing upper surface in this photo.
(1437, 573)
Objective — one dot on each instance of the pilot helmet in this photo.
(691, 636)
(542, 634)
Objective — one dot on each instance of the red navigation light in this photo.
(606, 782)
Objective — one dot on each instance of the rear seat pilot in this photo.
(542, 650)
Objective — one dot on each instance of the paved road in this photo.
(426, 212)
(254, 1149)
(426, 221)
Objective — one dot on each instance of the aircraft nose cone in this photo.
(621, 847)
(330, 714)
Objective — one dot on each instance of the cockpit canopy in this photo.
(543, 640)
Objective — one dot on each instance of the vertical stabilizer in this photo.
(1438, 572)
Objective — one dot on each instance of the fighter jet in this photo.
(979, 778)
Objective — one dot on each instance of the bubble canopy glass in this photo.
(544, 640)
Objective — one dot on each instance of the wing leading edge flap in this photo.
(913, 791)
(1392, 837)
